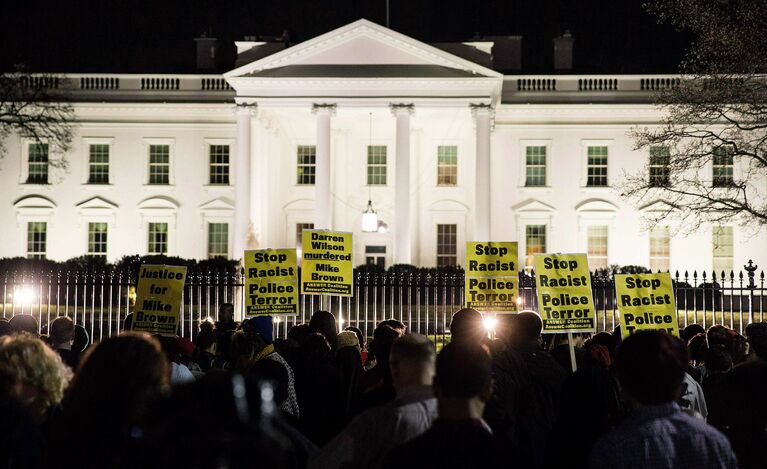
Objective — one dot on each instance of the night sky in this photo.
(611, 36)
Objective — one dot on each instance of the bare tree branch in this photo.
(34, 107)
(715, 121)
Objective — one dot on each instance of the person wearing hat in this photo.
(255, 342)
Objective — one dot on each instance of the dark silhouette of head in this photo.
(298, 333)
(650, 366)
(757, 338)
(82, 339)
(61, 331)
(360, 336)
(691, 331)
(206, 338)
(526, 327)
(116, 382)
(5, 327)
(412, 360)
(398, 326)
(718, 360)
(324, 323)
(25, 323)
(718, 335)
(697, 348)
(463, 371)
(226, 313)
(380, 347)
(467, 326)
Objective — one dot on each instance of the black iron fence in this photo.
(424, 299)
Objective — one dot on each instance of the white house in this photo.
(446, 149)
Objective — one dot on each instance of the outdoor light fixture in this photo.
(25, 295)
(490, 322)
(370, 222)
(369, 219)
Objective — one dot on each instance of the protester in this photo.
(745, 407)
(32, 374)
(179, 372)
(467, 326)
(372, 434)
(320, 395)
(650, 367)
(5, 327)
(32, 383)
(376, 384)
(25, 323)
(254, 343)
(62, 334)
(458, 438)
(361, 340)
(349, 363)
(205, 346)
(324, 323)
(539, 386)
(225, 320)
(105, 406)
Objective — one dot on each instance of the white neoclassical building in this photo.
(445, 148)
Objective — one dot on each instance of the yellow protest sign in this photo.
(491, 276)
(565, 302)
(326, 263)
(646, 301)
(271, 282)
(158, 299)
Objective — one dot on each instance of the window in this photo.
(38, 163)
(98, 163)
(300, 227)
(159, 164)
(535, 166)
(37, 235)
(535, 243)
(97, 239)
(307, 164)
(723, 163)
(219, 164)
(218, 240)
(596, 172)
(659, 249)
(660, 158)
(447, 165)
(447, 249)
(158, 238)
(597, 247)
(377, 165)
(375, 255)
(722, 249)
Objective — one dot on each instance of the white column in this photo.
(482, 116)
(402, 241)
(322, 199)
(242, 181)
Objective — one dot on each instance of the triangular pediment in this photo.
(532, 205)
(362, 43)
(97, 203)
(657, 206)
(218, 205)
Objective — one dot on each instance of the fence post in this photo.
(751, 268)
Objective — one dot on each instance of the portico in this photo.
(321, 94)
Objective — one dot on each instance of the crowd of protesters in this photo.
(237, 397)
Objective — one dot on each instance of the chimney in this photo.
(507, 53)
(563, 52)
(207, 53)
